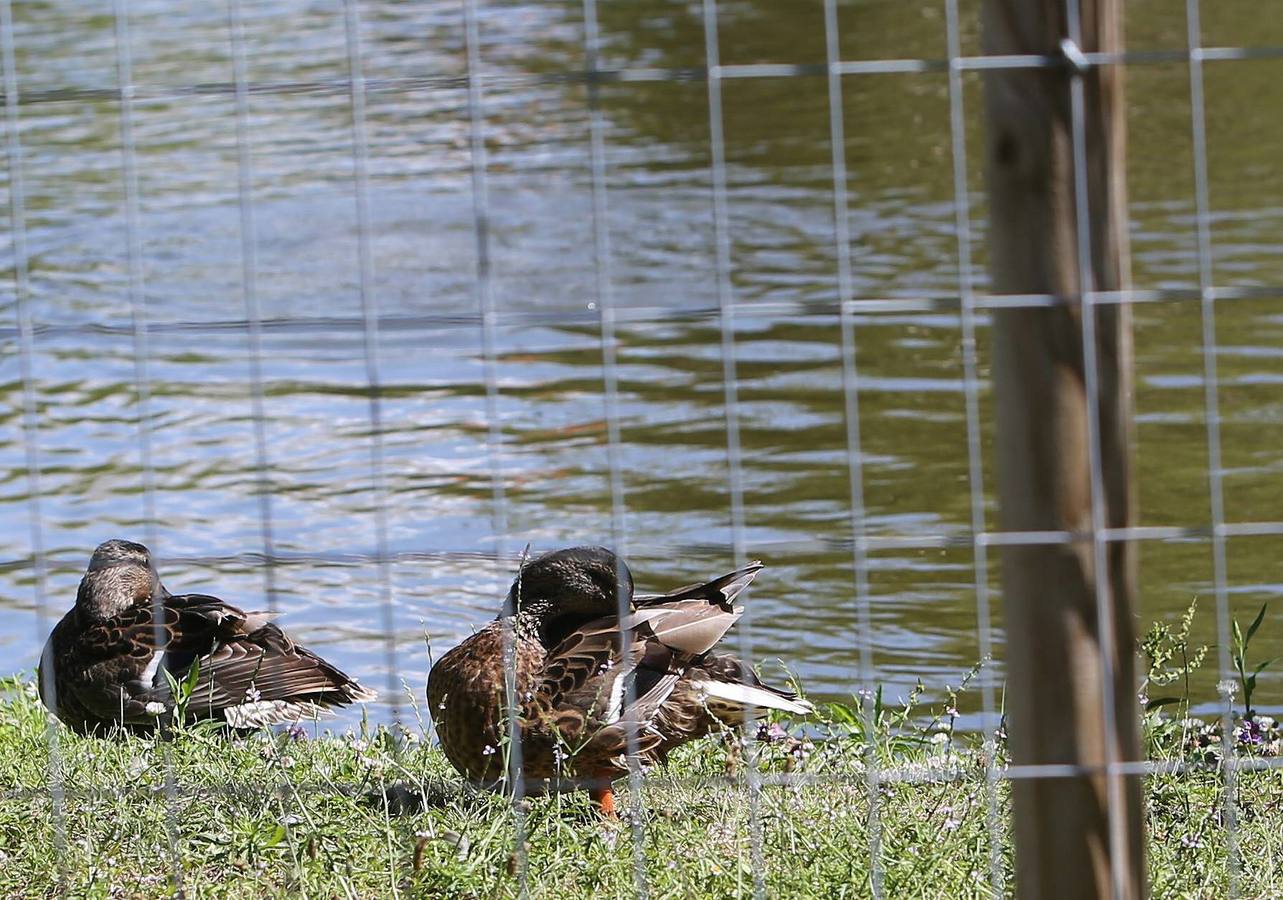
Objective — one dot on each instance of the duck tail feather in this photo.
(756, 696)
(723, 591)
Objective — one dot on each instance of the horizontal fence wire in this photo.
(500, 81)
(946, 770)
(56, 562)
(872, 306)
(848, 311)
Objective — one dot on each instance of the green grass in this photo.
(269, 815)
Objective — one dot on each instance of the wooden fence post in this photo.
(1057, 653)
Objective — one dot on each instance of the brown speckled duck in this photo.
(577, 694)
(108, 656)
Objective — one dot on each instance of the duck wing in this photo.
(249, 672)
(254, 674)
(595, 693)
(109, 671)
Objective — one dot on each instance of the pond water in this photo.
(545, 426)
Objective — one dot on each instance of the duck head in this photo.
(120, 575)
(559, 591)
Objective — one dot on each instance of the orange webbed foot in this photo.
(603, 797)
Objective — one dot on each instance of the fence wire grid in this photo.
(850, 311)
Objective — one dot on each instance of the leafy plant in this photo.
(181, 691)
(1241, 641)
(900, 729)
(1172, 659)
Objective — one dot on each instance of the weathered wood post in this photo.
(1064, 668)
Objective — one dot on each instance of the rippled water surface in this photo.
(177, 464)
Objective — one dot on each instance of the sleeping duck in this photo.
(105, 662)
(577, 696)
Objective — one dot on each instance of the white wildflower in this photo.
(488, 751)
(1227, 688)
(940, 737)
(154, 708)
(252, 694)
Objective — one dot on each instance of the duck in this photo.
(589, 684)
(108, 663)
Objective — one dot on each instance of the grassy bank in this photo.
(274, 814)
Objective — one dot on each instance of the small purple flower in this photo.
(1250, 732)
(297, 732)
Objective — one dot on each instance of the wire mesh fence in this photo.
(376, 344)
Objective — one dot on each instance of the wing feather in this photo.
(242, 658)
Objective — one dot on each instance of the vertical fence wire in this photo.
(734, 458)
(1105, 599)
(975, 457)
(1212, 416)
(610, 398)
(494, 435)
(854, 453)
(25, 321)
(864, 602)
(850, 393)
(142, 379)
(249, 295)
(370, 346)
